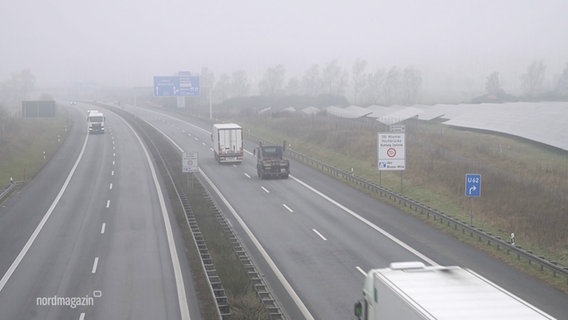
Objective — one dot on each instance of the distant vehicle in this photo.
(270, 161)
(410, 290)
(227, 142)
(95, 121)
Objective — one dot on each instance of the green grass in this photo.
(524, 183)
(22, 143)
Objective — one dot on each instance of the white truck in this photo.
(227, 142)
(95, 121)
(411, 290)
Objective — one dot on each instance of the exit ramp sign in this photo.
(472, 185)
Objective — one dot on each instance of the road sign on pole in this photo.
(188, 84)
(472, 185)
(391, 151)
(166, 86)
(189, 162)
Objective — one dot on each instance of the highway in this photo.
(317, 237)
(88, 237)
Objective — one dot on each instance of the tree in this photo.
(239, 84)
(222, 89)
(532, 81)
(373, 93)
(311, 82)
(410, 86)
(359, 78)
(272, 82)
(294, 87)
(493, 85)
(392, 86)
(334, 79)
(562, 85)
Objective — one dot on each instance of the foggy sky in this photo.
(126, 42)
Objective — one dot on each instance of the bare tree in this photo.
(373, 93)
(532, 81)
(493, 85)
(239, 84)
(294, 87)
(562, 85)
(334, 79)
(311, 82)
(272, 82)
(359, 78)
(222, 89)
(392, 87)
(410, 86)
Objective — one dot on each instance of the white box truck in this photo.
(95, 121)
(227, 142)
(411, 290)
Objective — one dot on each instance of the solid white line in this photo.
(265, 190)
(287, 208)
(361, 270)
(247, 175)
(95, 264)
(368, 223)
(108, 204)
(319, 234)
(110, 186)
(182, 299)
(46, 216)
(103, 228)
(303, 309)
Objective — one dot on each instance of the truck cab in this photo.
(95, 121)
(271, 162)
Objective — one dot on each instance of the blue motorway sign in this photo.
(188, 84)
(472, 185)
(166, 86)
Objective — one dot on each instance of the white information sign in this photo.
(391, 151)
(189, 162)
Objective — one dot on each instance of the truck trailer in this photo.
(413, 291)
(227, 142)
(95, 121)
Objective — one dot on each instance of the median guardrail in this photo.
(556, 269)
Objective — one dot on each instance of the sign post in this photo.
(472, 190)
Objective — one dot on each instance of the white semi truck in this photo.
(413, 291)
(227, 142)
(95, 121)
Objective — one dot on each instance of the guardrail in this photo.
(9, 188)
(491, 240)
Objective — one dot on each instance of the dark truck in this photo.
(270, 161)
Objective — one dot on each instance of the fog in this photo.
(126, 42)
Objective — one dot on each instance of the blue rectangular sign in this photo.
(472, 185)
(166, 86)
(188, 84)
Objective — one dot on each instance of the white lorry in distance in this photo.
(227, 142)
(95, 121)
(413, 291)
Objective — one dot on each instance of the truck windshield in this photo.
(96, 119)
(272, 152)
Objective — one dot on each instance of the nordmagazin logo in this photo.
(71, 302)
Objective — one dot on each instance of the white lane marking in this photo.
(361, 270)
(204, 144)
(46, 216)
(265, 190)
(103, 228)
(287, 208)
(320, 235)
(82, 316)
(182, 299)
(195, 138)
(301, 306)
(108, 204)
(110, 186)
(112, 173)
(368, 223)
(211, 149)
(247, 175)
(113, 162)
(95, 264)
(113, 154)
